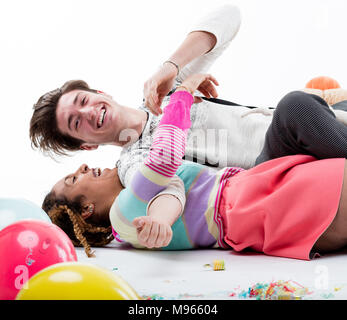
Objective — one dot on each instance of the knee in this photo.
(297, 105)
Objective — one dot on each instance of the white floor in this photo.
(184, 274)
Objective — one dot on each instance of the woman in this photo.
(292, 207)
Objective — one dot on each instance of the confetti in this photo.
(187, 296)
(153, 297)
(327, 296)
(280, 290)
(218, 265)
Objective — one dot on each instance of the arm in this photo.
(158, 86)
(168, 146)
(171, 201)
(195, 45)
(156, 173)
(167, 150)
(224, 23)
(209, 37)
(127, 213)
(155, 230)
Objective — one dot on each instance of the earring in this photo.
(91, 208)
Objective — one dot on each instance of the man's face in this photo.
(91, 117)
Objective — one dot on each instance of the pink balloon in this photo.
(26, 247)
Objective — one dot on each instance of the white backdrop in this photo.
(116, 45)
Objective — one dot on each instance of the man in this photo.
(76, 117)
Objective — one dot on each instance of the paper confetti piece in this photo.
(218, 265)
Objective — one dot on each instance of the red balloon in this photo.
(26, 247)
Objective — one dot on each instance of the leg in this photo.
(342, 105)
(304, 124)
(335, 236)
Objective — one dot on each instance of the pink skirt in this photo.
(281, 207)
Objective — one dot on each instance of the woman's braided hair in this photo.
(66, 215)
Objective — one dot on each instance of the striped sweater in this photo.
(200, 224)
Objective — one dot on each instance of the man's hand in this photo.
(151, 232)
(158, 86)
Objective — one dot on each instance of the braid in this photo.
(79, 231)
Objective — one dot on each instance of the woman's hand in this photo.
(158, 86)
(152, 233)
(201, 82)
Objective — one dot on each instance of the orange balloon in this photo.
(322, 83)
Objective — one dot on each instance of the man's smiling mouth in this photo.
(101, 117)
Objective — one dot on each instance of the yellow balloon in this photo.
(76, 281)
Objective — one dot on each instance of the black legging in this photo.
(303, 124)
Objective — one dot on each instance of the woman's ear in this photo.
(87, 211)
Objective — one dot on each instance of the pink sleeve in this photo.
(177, 112)
(168, 147)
